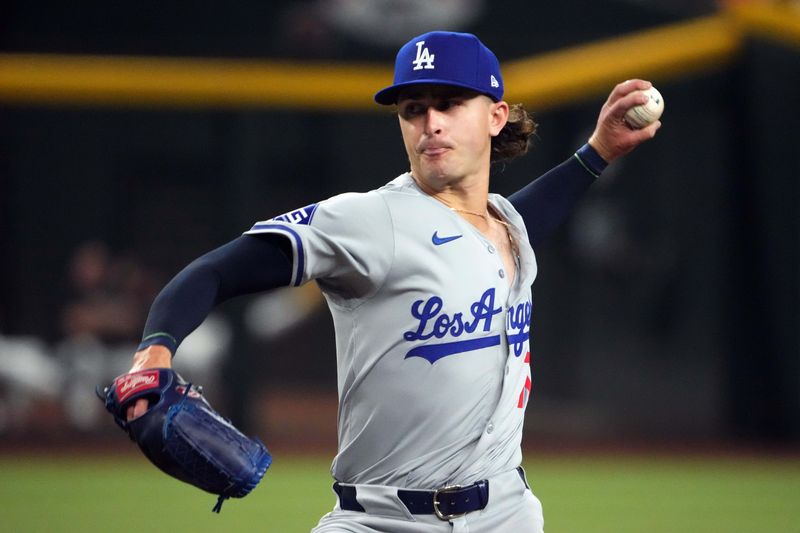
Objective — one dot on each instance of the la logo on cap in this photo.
(464, 62)
(423, 56)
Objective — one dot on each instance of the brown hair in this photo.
(515, 137)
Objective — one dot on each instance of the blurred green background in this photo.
(656, 493)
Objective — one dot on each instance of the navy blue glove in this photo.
(183, 436)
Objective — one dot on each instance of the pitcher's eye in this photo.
(412, 109)
(443, 105)
(448, 103)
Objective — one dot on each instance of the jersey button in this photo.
(501, 273)
(490, 248)
(490, 428)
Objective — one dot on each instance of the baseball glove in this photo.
(183, 436)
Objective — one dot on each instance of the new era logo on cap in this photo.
(445, 58)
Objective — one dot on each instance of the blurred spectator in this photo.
(355, 28)
(27, 374)
(111, 296)
(389, 23)
(274, 314)
(101, 323)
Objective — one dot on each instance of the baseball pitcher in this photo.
(428, 279)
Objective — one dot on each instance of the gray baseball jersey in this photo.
(432, 342)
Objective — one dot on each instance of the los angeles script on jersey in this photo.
(434, 324)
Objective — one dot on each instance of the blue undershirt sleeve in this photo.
(547, 201)
(248, 264)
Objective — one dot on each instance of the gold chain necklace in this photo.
(486, 216)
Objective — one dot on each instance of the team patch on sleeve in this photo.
(298, 216)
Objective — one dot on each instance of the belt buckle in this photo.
(436, 502)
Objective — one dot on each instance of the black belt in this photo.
(446, 502)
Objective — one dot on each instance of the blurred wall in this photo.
(667, 306)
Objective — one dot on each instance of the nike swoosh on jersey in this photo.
(442, 240)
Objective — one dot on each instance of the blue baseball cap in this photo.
(445, 58)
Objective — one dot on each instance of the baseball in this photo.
(643, 115)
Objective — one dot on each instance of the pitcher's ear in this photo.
(498, 117)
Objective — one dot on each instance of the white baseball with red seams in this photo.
(643, 115)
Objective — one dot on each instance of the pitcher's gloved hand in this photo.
(183, 436)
